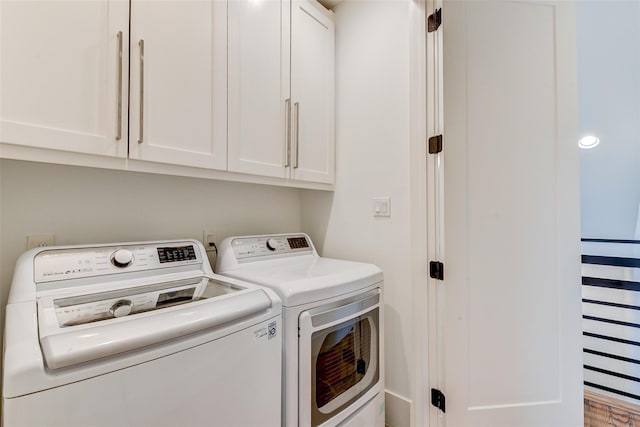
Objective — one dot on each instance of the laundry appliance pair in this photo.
(145, 333)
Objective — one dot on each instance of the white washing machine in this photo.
(333, 358)
(138, 334)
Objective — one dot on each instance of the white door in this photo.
(259, 92)
(178, 82)
(511, 314)
(312, 92)
(63, 75)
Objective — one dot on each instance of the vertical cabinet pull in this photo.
(287, 130)
(296, 113)
(141, 45)
(119, 94)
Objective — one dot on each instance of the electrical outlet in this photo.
(209, 240)
(40, 240)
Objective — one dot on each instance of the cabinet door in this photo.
(259, 86)
(312, 92)
(178, 82)
(63, 76)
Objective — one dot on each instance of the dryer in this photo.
(333, 322)
(138, 334)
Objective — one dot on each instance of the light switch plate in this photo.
(381, 206)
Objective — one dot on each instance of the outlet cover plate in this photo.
(40, 240)
(209, 240)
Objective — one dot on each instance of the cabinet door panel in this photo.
(183, 77)
(312, 91)
(59, 75)
(258, 86)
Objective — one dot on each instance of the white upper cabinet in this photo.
(259, 66)
(312, 93)
(281, 89)
(189, 87)
(178, 82)
(63, 75)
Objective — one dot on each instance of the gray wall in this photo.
(609, 106)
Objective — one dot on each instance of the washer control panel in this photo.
(64, 264)
(248, 247)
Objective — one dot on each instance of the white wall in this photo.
(608, 36)
(83, 205)
(372, 138)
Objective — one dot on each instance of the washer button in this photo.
(121, 308)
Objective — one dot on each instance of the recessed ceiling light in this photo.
(588, 141)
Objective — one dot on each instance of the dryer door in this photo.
(339, 359)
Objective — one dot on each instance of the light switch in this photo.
(381, 207)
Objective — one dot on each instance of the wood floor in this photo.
(600, 411)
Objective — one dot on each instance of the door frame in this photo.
(425, 85)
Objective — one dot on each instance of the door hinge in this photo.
(434, 20)
(437, 399)
(436, 270)
(435, 144)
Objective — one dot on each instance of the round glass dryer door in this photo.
(340, 356)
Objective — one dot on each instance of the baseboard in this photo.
(397, 410)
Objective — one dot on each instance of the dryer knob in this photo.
(121, 308)
(122, 258)
(272, 244)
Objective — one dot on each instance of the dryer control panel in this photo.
(249, 247)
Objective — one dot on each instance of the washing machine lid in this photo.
(303, 279)
(82, 328)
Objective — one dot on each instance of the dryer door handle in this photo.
(324, 319)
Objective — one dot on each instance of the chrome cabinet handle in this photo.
(296, 112)
(119, 96)
(287, 129)
(141, 45)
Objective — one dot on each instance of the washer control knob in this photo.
(121, 308)
(122, 258)
(272, 244)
